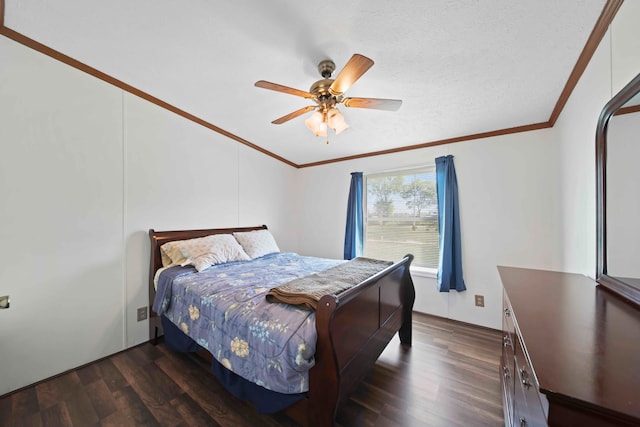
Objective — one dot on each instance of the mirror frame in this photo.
(613, 107)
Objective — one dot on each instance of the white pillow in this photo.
(204, 252)
(170, 253)
(257, 243)
(166, 260)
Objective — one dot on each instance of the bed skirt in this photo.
(265, 401)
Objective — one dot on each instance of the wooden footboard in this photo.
(353, 329)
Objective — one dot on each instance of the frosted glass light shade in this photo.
(336, 121)
(319, 122)
(313, 122)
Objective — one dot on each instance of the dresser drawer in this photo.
(528, 400)
(508, 332)
(508, 326)
(507, 366)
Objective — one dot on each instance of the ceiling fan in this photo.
(327, 93)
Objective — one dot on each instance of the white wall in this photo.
(507, 213)
(625, 45)
(614, 64)
(575, 133)
(61, 217)
(86, 170)
(179, 175)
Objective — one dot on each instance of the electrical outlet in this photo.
(142, 313)
(480, 300)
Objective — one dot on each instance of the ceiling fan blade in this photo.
(355, 68)
(285, 89)
(374, 103)
(293, 115)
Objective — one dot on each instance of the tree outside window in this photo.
(402, 216)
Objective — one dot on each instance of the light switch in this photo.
(4, 301)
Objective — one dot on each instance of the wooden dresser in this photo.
(571, 354)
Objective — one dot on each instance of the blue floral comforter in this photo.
(224, 310)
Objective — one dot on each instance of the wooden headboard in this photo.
(159, 238)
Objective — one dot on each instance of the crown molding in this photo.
(602, 25)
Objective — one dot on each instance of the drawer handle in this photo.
(507, 312)
(506, 341)
(524, 376)
(523, 422)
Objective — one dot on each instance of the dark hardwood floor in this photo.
(449, 377)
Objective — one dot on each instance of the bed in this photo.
(378, 307)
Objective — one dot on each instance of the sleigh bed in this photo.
(352, 328)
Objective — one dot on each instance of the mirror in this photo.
(617, 194)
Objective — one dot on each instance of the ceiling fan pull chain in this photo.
(327, 126)
(325, 119)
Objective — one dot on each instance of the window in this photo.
(401, 216)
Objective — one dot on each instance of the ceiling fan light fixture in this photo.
(313, 120)
(335, 120)
(328, 92)
(316, 124)
(323, 130)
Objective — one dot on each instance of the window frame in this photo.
(420, 271)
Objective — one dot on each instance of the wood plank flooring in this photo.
(449, 377)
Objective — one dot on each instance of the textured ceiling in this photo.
(461, 67)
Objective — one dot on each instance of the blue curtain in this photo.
(450, 265)
(353, 234)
